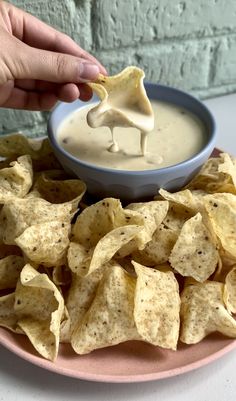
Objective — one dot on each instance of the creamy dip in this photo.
(123, 103)
(177, 136)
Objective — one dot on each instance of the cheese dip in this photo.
(177, 136)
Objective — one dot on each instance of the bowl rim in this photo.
(208, 146)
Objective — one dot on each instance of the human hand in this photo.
(39, 65)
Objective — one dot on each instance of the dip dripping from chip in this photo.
(124, 103)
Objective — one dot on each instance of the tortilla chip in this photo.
(49, 162)
(39, 307)
(217, 175)
(194, 253)
(56, 188)
(8, 317)
(157, 251)
(183, 198)
(221, 209)
(8, 250)
(45, 244)
(81, 295)
(17, 145)
(225, 264)
(6, 162)
(65, 334)
(61, 275)
(10, 268)
(228, 167)
(230, 291)
(185, 204)
(203, 312)
(128, 84)
(109, 320)
(19, 214)
(16, 180)
(84, 262)
(153, 214)
(176, 217)
(157, 306)
(99, 219)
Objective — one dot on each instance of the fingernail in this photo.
(88, 72)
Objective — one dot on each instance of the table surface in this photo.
(21, 381)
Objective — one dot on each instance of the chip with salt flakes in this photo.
(176, 216)
(10, 268)
(55, 187)
(183, 198)
(153, 214)
(157, 306)
(194, 254)
(8, 317)
(99, 219)
(203, 312)
(217, 175)
(39, 307)
(16, 180)
(228, 167)
(110, 319)
(19, 214)
(46, 243)
(221, 209)
(15, 145)
(80, 296)
(157, 251)
(83, 262)
(230, 291)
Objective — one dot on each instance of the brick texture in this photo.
(224, 65)
(125, 23)
(184, 43)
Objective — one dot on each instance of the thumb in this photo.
(54, 67)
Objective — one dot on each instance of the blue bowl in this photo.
(136, 185)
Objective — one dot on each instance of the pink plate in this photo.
(132, 361)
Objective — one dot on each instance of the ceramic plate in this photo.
(132, 361)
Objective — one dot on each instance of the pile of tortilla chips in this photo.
(161, 271)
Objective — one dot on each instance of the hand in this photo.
(39, 65)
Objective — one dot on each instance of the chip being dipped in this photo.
(124, 103)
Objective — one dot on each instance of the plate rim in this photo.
(106, 378)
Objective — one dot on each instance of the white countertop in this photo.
(21, 381)
(224, 111)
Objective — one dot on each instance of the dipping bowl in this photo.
(136, 185)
